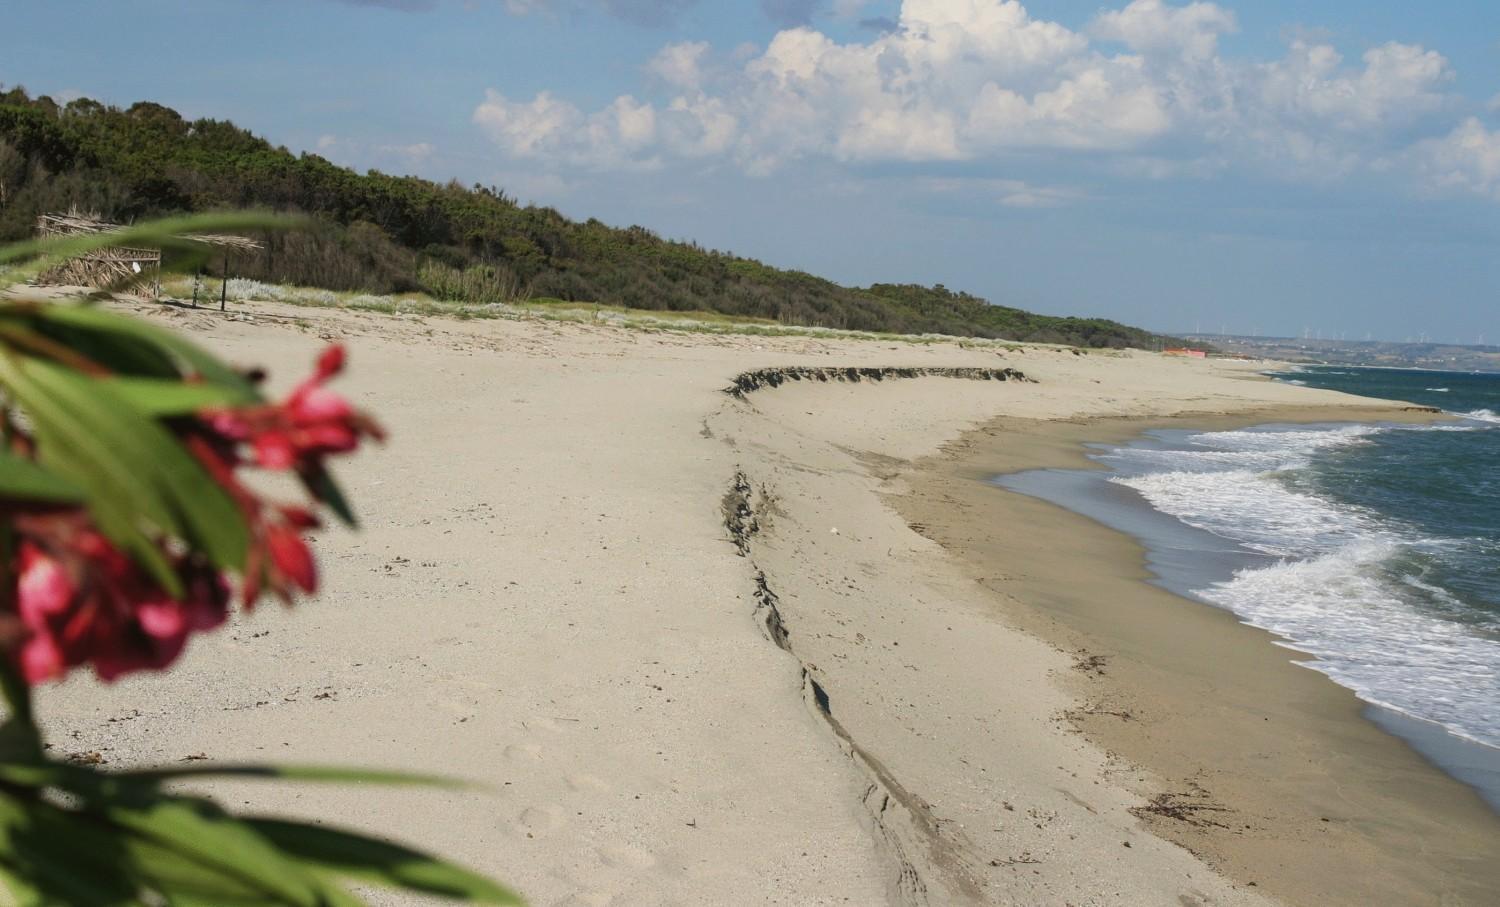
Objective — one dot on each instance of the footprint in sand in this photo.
(549, 725)
(624, 856)
(522, 752)
(587, 784)
(539, 821)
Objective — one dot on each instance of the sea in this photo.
(1373, 547)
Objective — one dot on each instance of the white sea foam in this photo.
(1482, 415)
(1290, 444)
(1343, 589)
(1343, 609)
(1252, 508)
(1438, 390)
(1257, 451)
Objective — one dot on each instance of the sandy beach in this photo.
(1263, 768)
(783, 647)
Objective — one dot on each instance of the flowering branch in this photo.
(125, 527)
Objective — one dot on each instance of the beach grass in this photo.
(180, 288)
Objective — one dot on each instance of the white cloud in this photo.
(1465, 160)
(1398, 83)
(1151, 26)
(977, 80)
(698, 126)
(680, 65)
(543, 126)
(546, 128)
(1107, 105)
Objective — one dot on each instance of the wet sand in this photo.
(1264, 769)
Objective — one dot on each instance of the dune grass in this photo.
(240, 290)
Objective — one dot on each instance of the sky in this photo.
(1270, 167)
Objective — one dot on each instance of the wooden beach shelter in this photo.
(123, 265)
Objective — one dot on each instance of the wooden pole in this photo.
(224, 289)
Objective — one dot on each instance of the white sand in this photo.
(544, 599)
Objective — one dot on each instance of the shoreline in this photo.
(832, 712)
(1189, 561)
(1270, 772)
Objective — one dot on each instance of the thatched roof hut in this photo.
(114, 266)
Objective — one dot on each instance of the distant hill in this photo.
(1380, 353)
(382, 233)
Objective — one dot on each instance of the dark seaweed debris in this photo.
(748, 382)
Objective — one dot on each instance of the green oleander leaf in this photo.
(159, 398)
(350, 855)
(81, 441)
(24, 480)
(309, 773)
(38, 255)
(170, 487)
(187, 358)
(200, 832)
(320, 485)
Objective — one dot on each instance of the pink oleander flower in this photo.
(291, 559)
(81, 601)
(311, 423)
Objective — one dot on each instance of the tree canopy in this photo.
(381, 233)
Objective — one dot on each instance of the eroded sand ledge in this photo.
(547, 599)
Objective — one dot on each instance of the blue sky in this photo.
(1273, 166)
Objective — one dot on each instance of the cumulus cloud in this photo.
(1465, 160)
(1397, 83)
(977, 80)
(546, 127)
(1146, 26)
(680, 65)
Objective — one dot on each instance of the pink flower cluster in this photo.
(80, 600)
(312, 422)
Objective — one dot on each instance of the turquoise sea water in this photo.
(1373, 547)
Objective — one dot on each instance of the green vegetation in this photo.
(382, 234)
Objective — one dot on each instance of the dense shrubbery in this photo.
(386, 234)
(482, 284)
